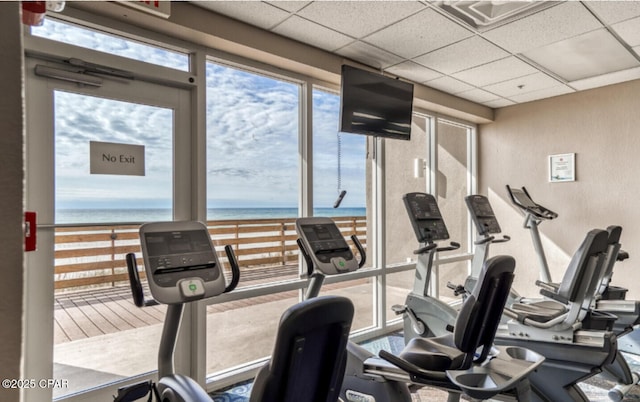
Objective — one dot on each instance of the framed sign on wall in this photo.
(562, 167)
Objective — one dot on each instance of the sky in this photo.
(252, 144)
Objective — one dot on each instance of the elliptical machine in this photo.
(425, 315)
(182, 266)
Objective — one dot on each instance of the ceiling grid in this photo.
(492, 53)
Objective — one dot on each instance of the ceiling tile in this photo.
(611, 12)
(584, 56)
(369, 55)
(608, 79)
(521, 85)
(467, 53)
(542, 94)
(449, 85)
(496, 71)
(419, 34)
(291, 6)
(415, 40)
(255, 13)
(359, 18)
(308, 32)
(554, 24)
(478, 95)
(499, 103)
(413, 71)
(629, 31)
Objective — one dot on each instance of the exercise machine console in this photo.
(425, 315)
(181, 266)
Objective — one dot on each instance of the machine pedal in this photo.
(398, 309)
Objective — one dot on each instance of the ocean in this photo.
(87, 216)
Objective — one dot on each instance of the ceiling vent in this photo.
(484, 15)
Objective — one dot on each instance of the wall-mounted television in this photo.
(373, 104)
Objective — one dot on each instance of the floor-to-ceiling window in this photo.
(405, 172)
(253, 130)
(454, 181)
(340, 166)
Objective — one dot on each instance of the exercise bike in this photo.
(460, 362)
(542, 337)
(488, 228)
(608, 301)
(182, 266)
(609, 298)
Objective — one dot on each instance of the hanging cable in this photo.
(341, 192)
(339, 162)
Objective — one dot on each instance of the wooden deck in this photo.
(91, 281)
(89, 313)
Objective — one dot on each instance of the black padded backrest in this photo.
(309, 357)
(615, 232)
(577, 280)
(481, 312)
(613, 248)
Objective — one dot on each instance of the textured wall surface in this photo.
(602, 127)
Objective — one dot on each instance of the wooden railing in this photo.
(94, 256)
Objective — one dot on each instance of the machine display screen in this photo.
(169, 243)
(523, 199)
(179, 251)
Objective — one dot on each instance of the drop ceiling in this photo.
(493, 53)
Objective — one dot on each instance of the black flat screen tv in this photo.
(373, 104)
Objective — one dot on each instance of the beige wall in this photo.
(602, 126)
(11, 195)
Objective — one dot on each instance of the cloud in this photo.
(231, 172)
(112, 44)
(252, 131)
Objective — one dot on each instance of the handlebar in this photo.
(528, 205)
(363, 254)
(305, 255)
(452, 246)
(491, 239)
(235, 268)
(425, 249)
(136, 285)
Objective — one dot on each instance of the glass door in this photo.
(100, 161)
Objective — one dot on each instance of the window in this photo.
(339, 161)
(117, 45)
(252, 203)
(82, 121)
(252, 170)
(340, 164)
(405, 172)
(453, 185)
